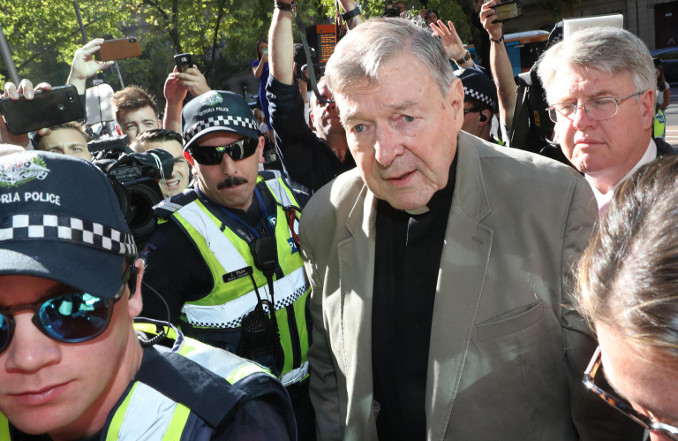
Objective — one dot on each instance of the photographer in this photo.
(312, 158)
(500, 66)
(177, 86)
(172, 143)
(260, 72)
(85, 66)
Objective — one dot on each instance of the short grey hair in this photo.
(606, 49)
(361, 54)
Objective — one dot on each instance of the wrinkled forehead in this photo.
(583, 79)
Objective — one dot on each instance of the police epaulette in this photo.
(170, 205)
(270, 174)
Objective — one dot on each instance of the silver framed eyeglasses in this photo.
(622, 405)
(600, 108)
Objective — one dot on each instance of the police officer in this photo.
(225, 254)
(72, 366)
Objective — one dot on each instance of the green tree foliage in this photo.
(44, 34)
(221, 34)
(447, 10)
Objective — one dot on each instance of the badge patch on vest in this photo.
(272, 220)
(237, 274)
(293, 246)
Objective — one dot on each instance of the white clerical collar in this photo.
(604, 198)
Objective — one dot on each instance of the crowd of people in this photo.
(402, 272)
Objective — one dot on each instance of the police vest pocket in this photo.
(511, 322)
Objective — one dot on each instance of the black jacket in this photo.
(308, 159)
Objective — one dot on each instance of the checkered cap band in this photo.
(226, 121)
(479, 96)
(66, 229)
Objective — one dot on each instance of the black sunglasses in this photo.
(472, 109)
(212, 155)
(70, 318)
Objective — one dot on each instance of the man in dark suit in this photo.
(439, 266)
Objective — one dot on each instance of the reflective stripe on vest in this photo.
(229, 315)
(146, 413)
(295, 375)
(225, 252)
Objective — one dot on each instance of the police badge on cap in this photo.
(217, 110)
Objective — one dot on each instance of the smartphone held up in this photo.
(183, 62)
(47, 108)
(506, 10)
(120, 49)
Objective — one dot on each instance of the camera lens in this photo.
(60, 106)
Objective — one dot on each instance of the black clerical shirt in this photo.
(408, 249)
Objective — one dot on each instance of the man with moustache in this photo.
(225, 252)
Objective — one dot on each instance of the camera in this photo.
(301, 64)
(133, 177)
(390, 11)
(507, 10)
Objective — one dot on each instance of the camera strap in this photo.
(309, 60)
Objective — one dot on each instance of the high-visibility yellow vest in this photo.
(224, 252)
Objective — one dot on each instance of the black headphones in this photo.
(132, 281)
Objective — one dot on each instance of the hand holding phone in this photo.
(46, 109)
(507, 10)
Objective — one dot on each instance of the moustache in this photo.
(231, 181)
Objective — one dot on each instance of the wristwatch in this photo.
(464, 59)
(346, 16)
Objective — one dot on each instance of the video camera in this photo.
(390, 11)
(133, 177)
(301, 64)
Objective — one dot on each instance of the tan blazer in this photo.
(506, 354)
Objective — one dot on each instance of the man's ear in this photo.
(647, 104)
(135, 303)
(455, 98)
(260, 148)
